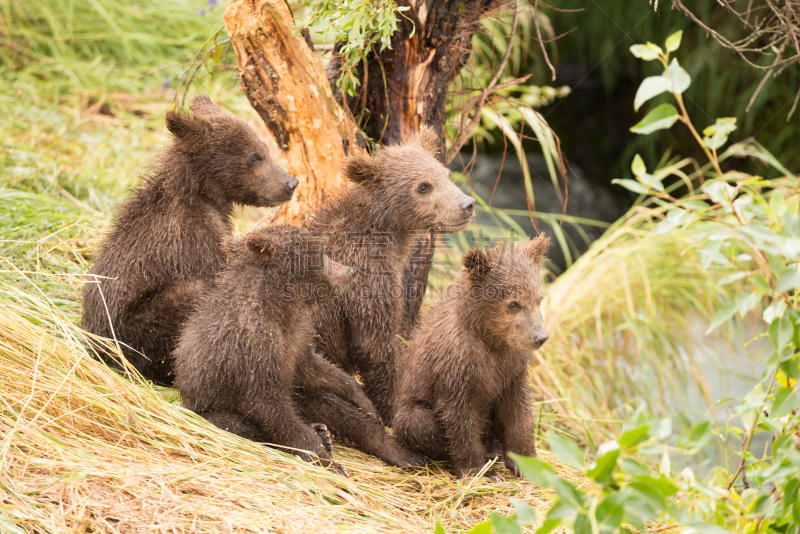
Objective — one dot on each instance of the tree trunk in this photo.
(403, 87)
(418, 69)
(286, 84)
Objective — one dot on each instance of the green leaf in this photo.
(630, 185)
(609, 513)
(718, 191)
(660, 118)
(679, 77)
(526, 515)
(705, 527)
(566, 450)
(548, 526)
(674, 41)
(750, 407)
(696, 205)
(570, 501)
(774, 311)
(638, 166)
(723, 315)
(780, 331)
(789, 280)
(482, 528)
(699, 435)
(786, 400)
(651, 87)
(745, 206)
(504, 525)
(663, 429)
(716, 135)
(533, 469)
(650, 181)
(795, 316)
(633, 467)
(777, 203)
(647, 52)
(439, 528)
(603, 467)
(746, 302)
(634, 437)
(660, 488)
(761, 282)
(735, 277)
(673, 220)
(665, 466)
(764, 505)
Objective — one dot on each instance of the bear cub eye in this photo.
(423, 187)
(514, 306)
(255, 159)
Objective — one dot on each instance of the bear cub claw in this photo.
(324, 434)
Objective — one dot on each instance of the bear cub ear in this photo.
(538, 247)
(428, 140)
(477, 263)
(361, 169)
(202, 105)
(188, 128)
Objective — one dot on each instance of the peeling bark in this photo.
(286, 84)
(418, 68)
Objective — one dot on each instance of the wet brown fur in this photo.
(165, 244)
(464, 384)
(370, 228)
(246, 362)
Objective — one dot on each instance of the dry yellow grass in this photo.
(85, 449)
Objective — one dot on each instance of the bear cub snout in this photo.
(463, 386)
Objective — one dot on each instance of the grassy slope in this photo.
(82, 447)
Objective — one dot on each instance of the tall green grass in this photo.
(102, 43)
(86, 84)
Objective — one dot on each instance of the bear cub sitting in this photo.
(464, 386)
(402, 190)
(165, 245)
(246, 363)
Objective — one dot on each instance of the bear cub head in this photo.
(294, 258)
(231, 160)
(408, 182)
(503, 286)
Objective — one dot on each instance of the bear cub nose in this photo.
(468, 205)
(540, 338)
(291, 183)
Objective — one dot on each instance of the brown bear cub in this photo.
(402, 190)
(246, 362)
(165, 245)
(464, 384)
